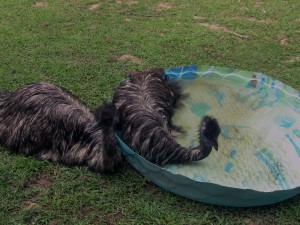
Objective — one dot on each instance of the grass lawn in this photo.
(88, 47)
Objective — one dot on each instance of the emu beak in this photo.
(215, 144)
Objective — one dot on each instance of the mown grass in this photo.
(67, 43)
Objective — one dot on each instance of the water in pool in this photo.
(259, 146)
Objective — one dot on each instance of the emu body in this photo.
(51, 123)
(146, 104)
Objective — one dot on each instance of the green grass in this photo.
(66, 43)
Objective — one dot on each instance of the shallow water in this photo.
(259, 146)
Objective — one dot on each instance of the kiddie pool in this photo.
(258, 161)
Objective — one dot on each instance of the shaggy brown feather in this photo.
(146, 104)
(48, 121)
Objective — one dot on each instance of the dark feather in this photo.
(146, 103)
(51, 123)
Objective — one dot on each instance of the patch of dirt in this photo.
(163, 6)
(282, 37)
(53, 222)
(113, 51)
(118, 1)
(94, 6)
(30, 205)
(86, 209)
(41, 181)
(92, 27)
(108, 218)
(113, 218)
(253, 19)
(284, 42)
(258, 3)
(267, 21)
(83, 212)
(130, 3)
(199, 17)
(40, 4)
(217, 27)
(124, 58)
(250, 222)
(244, 9)
(295, 59)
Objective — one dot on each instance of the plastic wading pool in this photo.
(258, 161)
